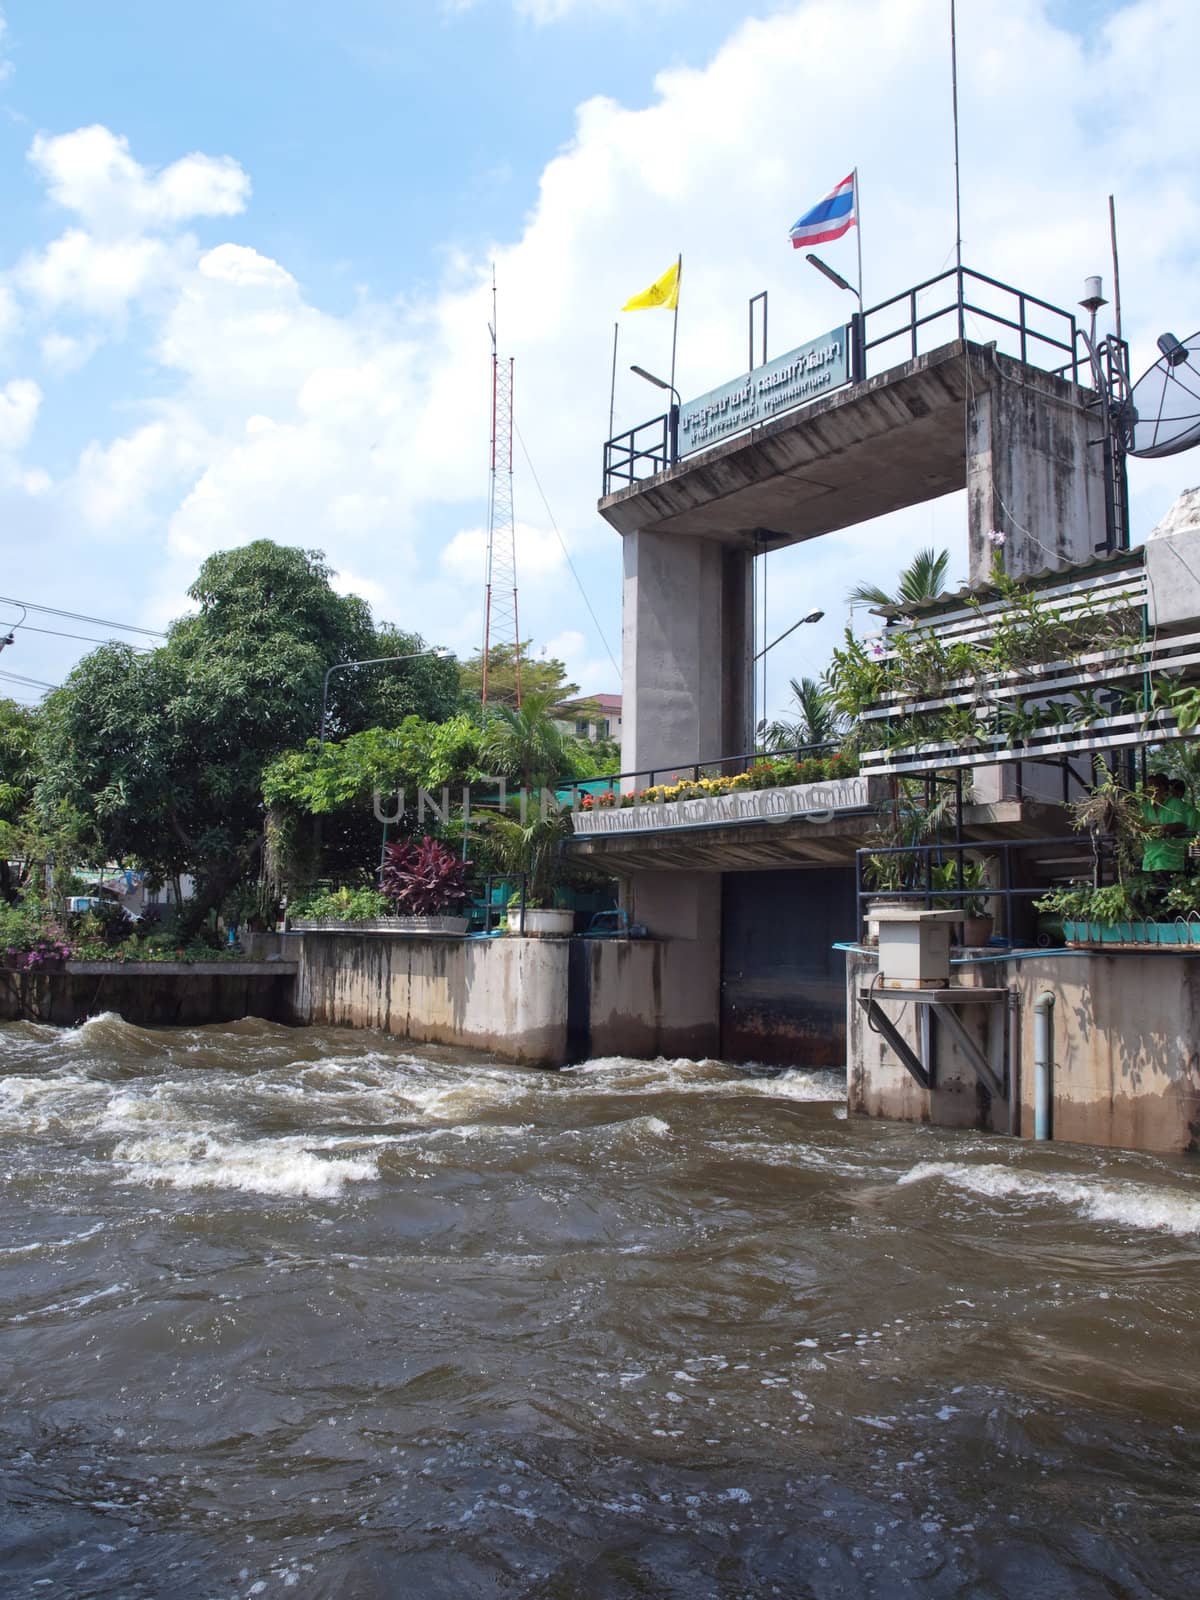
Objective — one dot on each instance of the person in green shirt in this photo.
(1179, 791)
(1165, 851)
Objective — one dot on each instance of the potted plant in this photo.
(426, 884)
(977, 924)
(531, 850)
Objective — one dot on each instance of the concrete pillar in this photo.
(687, 649)
(1033, 473)
(683, 909)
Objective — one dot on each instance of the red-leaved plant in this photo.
(423, 880)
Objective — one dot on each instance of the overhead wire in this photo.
(34, 683)
(565, 551)
(85, 638)
(78, 616)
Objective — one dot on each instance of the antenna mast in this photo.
(500, 622)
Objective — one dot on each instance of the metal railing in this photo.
(641, 452)
(1064, 341)
(1042, 334)
(688, 772)
(920, 890)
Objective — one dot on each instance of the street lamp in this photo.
(858, 354)
(439, 654)
(834, 277)
(813, 616)
(673, 414)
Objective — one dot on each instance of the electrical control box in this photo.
(914, 947)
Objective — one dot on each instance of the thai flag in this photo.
(829, 219)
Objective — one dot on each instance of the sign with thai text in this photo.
(810, 802)
(791, 380)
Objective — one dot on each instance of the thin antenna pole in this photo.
(675, 322)
(513, 535)
(957, 188)
(765, 636)
(500, 597)
(1112, 231)
(612, 393)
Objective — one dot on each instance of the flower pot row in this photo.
(1138, 935)
(439, 926)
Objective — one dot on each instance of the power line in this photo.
(77, 616)
(567, 555)
(34, 683)
(86, 638)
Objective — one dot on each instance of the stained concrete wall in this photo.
(687, 651)
(1126, 1052)
(507, 996)
(168, 995)
(1032, 474)
(641, 998)
(1173, 578)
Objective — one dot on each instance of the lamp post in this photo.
(374, 661)
(857, 336)
(672, 415)
(760, 655)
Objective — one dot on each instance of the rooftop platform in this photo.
(877, 446)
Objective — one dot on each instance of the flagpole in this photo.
(612, 393)
(858, 232)
(675, 323)
(957, 187)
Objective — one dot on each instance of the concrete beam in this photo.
(960, 417)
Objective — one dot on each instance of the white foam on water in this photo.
(1129, 1205)
(255, 1166)
(680, 1075)
(797, 1084)
(52, 1101)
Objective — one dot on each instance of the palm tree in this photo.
(923, 579)
(525, 741)
(818, 721)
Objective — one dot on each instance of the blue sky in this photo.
(246, 249)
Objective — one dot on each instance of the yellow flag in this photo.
(662, 292)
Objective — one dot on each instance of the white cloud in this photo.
(97, 277)
(20, 401)
(539, 553)
(10, 314)
(365, 433)
(63, 353)
(6, 66)
(92, 173)
(115, 486)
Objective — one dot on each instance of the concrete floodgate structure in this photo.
(756, 905)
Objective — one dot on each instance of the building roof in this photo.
(605, 702)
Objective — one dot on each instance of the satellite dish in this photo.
(1163, 415)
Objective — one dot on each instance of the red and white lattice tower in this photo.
(500, 621)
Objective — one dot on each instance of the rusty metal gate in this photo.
(783, 990)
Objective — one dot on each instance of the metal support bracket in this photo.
(884, 1026)
(937, 1007)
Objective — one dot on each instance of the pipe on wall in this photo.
(1043, 1058)
(1014, 1061)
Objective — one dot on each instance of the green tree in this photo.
(22, 840)
(528, 744)
(539, 675)
(923, 579)
(164, 751)
(817, 719)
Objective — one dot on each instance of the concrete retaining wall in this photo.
(1126, 1051)
(508, 996)
(150, 994)
(641, 998)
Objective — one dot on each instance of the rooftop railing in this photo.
(957, 304)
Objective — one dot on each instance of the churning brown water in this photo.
(320, 1314)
